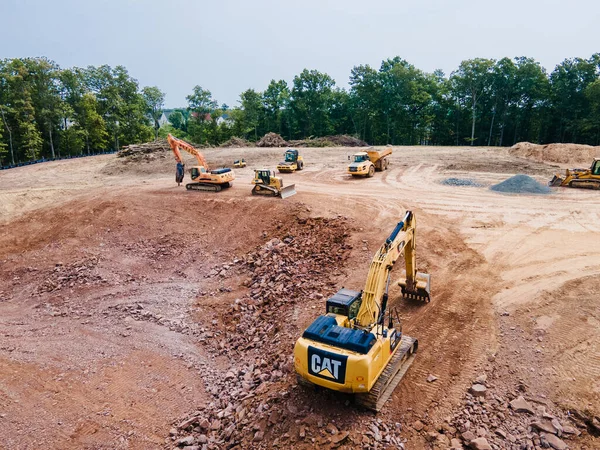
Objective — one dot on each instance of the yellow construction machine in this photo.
(266, 183)
(239, 163)
(580, 178)
(367, 162)
(350, 348)
(203, 179)
(292, 161)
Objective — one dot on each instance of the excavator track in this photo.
(203, 187)
(390, 377)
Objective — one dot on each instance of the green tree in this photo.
(91, 124)
(276, 100)
(155, 102)
(311, 101)
(252, 111)
(472, 81)
(200, 106)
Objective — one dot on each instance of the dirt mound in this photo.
(138, 150)
(521, 184)
(272, 140)
(236, 142)
(556, 153)
(330, 141)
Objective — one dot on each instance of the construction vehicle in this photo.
(292, 161)
(239, 163)
(366, 163)
(266, 183)
(580, 178)
(351, 349)
(203, 179)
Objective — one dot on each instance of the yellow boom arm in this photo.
(374, 297)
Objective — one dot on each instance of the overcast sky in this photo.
(230, 46)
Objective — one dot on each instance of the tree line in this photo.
(48, 111)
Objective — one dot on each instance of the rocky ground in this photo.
(137, 315)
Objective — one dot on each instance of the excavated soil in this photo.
(579, 154)
(135, 314)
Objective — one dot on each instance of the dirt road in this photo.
(118, 290)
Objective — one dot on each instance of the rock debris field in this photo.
(135, 314)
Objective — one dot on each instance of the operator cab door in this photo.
(596, 168)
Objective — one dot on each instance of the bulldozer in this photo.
(203, 179)
(292, 161)
(266, 183)
(353, 348)
(580, 178)
(239, 163)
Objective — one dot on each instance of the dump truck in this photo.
(579, 178)
(367, 162)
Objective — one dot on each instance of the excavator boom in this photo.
(177, 144)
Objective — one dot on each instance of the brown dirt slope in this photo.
(556, 153)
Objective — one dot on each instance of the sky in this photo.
(228, 46)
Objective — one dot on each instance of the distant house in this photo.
(224, 119)
(163, 120)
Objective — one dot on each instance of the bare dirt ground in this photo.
(128, 305)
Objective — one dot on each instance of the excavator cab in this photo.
(345, 302)
(197, 171)
(596, 167)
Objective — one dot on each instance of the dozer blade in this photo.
(555, 181)
(288, 191)
(421, 290)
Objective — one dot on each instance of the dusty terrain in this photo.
(135, 314)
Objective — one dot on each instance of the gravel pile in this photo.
(521, 184)
(460, 182)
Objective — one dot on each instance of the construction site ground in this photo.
(129, 305)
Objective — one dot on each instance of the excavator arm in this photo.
(177, 144)
(414, 285)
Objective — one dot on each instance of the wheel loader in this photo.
(292, 161)
(580, 178)
(239, 163)
(353, 348)
(366, 163)
(267, 184)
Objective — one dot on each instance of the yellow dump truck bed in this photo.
(376, 155)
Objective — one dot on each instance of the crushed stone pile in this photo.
(160, 145)
(460, 182)
(578, 154)
(504, 417)
(236, 142)
(272, 140)
(75, 274)
(521, 184)
(256, 402)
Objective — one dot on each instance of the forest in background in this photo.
(47, 111)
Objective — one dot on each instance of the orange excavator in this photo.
(203, 179)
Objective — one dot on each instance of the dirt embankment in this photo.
(577, 154)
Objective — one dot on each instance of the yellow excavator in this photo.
(350, 348)
(580, 178)
(203, 179)
(266, 183)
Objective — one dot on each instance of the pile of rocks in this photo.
(514, 420)
(256, 402)
(80, 273)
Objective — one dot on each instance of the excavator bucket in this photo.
(420, 291)
(288, 191)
